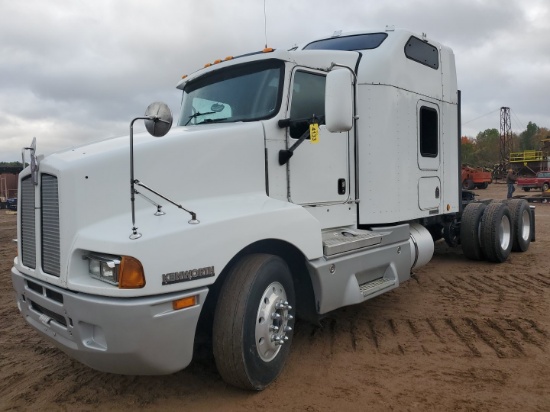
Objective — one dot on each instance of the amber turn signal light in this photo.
(131, 274)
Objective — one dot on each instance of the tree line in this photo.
(484, 149)
(11, 164)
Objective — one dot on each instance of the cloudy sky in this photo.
(75, 71)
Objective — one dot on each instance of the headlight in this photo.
(123, 271)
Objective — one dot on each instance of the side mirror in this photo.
(159, 119)
(339, 101)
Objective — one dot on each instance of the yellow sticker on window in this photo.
(314, 133)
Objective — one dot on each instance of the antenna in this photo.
(265, 26)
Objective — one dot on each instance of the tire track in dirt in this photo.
(503, 287)
(460, 336)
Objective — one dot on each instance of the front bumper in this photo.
(131, 336)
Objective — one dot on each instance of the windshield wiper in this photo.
(195, 115)
(213, 120)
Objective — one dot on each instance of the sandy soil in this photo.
(461, 336)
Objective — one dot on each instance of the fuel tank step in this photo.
(343, 240)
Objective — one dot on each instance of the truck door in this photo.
(318, 172)
(429, 156)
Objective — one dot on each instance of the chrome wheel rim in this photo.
(272, 322)
(525, 230)
(505, 232)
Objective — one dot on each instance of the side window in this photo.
(308, 99)
(429, 142)
(422, 52)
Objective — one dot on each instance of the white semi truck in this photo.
(295, 183)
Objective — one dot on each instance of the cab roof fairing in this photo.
(394, 32)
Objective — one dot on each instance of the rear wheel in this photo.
(468, 184)
(469, 230)
(497, 232)
(521, 221)
(451, 233)
(526, 189)
(253, 323)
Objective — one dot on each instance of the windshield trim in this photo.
(231, 72)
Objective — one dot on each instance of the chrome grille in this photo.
(28, 235)
(50, 226)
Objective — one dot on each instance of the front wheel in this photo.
(253, 323)
(545, 187)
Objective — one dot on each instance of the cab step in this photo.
(374, 286)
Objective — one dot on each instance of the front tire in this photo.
(253, 323)
(545, 187)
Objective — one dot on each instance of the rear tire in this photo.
(469, 230)
(468, 184)
(521, 221)
(451, 233)
(497, 232)
(252, 329)
(526, 189)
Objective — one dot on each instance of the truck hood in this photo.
(196, 167)
(186, 164)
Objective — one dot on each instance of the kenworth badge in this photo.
(186, 275)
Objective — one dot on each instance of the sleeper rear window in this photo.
(349, 43)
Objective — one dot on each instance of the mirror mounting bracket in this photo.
(285, 155)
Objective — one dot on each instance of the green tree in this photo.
(527, 140)
(468, 149)
(488, 147)
(542, 134)
(10, 164)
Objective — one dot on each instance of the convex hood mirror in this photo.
(159, 119)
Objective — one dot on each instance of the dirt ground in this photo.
(460, 336)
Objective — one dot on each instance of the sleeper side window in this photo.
(429, 142)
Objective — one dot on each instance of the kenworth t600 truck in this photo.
(295, 182)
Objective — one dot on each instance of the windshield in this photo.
(246, 92)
